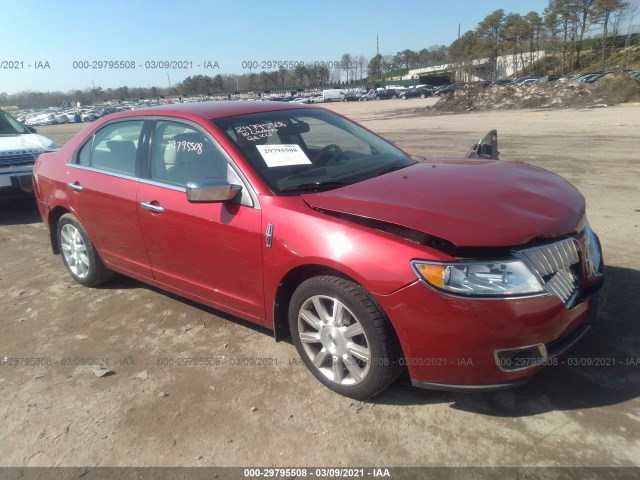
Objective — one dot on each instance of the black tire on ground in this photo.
(336, 322)
(79, 255)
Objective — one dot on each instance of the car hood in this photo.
(30, 142)
(469, 202)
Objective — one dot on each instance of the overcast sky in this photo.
(43, 39)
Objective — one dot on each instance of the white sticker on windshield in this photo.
(283, 155)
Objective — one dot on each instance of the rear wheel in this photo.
(78, 253)
(342, 337)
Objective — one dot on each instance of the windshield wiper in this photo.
(392, 169)
(316, 186)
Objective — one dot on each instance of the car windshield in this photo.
(9, 126)
(302, 150)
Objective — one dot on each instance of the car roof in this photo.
(216, 109)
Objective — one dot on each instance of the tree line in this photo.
(560, 31)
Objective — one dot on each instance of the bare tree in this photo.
(603, 13)
(345, 64)
(584, 13)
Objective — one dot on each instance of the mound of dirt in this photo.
(564, 93)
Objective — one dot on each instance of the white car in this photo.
(41, 119)
(19, 148)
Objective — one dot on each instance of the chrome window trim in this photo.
(105, 172)
(169, 186)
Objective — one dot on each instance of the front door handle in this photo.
(75, 186)
(151, 207)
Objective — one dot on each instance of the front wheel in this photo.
(78, 253)
(342, 337)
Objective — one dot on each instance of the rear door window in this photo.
(113, 148)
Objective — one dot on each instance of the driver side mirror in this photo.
(487, 147)
(211, 190)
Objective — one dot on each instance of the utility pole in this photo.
(378, 62)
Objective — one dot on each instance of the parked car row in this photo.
(336, 95)
(589, 77)
(54, 116)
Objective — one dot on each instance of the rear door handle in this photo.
(151, 207)
(75, 186)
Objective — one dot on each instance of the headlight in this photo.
(500, 278)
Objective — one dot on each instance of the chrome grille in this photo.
(17, 159)
(553, 264)
(563, 284)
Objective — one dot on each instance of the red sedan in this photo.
(470, 273)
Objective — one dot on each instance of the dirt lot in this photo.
(151, 414)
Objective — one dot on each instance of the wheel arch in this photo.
(290, 282)
(53, 219)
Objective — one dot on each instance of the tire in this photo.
(356, 355)
(422, 95)
(79, 254)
